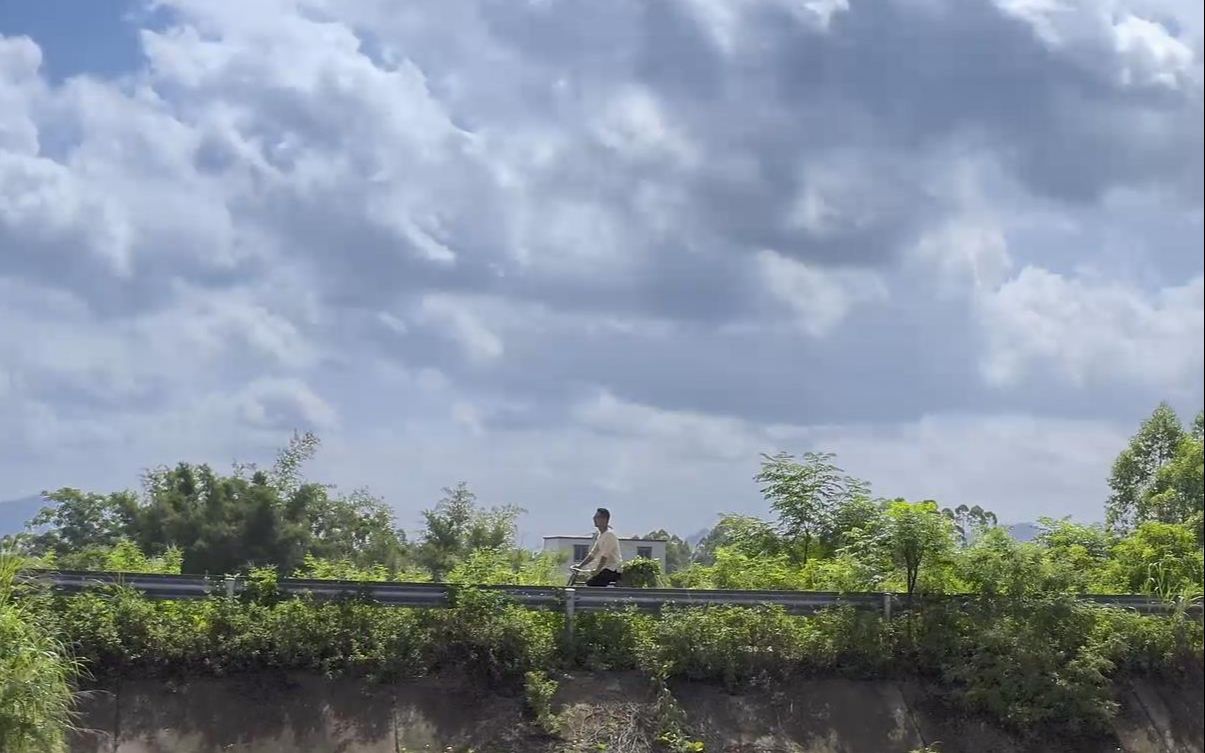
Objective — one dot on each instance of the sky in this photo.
(579, 253)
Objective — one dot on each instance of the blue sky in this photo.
(99, 37)
(579, 254)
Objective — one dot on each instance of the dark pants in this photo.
(604, 577)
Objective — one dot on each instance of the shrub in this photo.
(739, 645)
(642, 572)
(1147, 644)
(326, 569)
(732, 644)
(498, 567)
(35, 674)
(1037, 663)
(539, 689)
(119, 632)
(1159, 558)
(489, 636)
(614, 640)
(1029, 662)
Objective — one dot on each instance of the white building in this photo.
(575, 548)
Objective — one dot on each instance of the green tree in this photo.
(806, 495)
(969, 522)
(744, 533)
(358, 528)
(1158, 558)
(286, 475)
(457, 526)
(1177, 493)
(77, 522)
(1075, 554)
(910, 536)
(221, 524)
(677, 551)
(858, 514)
(1137, 468)
(996, 564)
(751, 536)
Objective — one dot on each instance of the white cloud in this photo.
(633, 123)
(726, 19)
(289, 210)
(43, 205)
(820, 298)
(693, 434)
(1022, 467)
(968, 254)
(467, 415)
(1090, 332)
(285, 404)
(1152, 56)
(461, 324)
(20, 88)
(1130, 42)
(679, 470)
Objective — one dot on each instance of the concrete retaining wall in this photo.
(277, 714)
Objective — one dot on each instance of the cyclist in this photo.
(604, 554)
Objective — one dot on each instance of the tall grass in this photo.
(35, 674)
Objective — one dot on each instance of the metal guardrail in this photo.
(582, 599)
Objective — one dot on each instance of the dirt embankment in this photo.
(616, 713)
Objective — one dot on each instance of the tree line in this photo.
(826, 530)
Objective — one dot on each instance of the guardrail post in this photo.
(229, 587)
(886, 606)
(570, 610)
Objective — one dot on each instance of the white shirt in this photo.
(606, 550)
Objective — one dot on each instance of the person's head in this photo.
(602, 518)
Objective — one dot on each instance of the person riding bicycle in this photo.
(604, 553)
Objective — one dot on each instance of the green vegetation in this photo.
(1159, 476)
(538, 690)
(35, 674)
(1018, 648)
(642, 572)
(677, 551)
(1029, 662)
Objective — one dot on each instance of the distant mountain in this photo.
(15, 513)
(696, 537)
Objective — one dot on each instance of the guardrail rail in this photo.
(581, 599)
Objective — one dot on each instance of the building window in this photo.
(580, 551)
(644, 551)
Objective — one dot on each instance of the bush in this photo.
(1144, 644)
(1036, 663)
(1159, 558)
(502, 567)
(642, 573)
(1029, 662)
(731, 644)
(488, 636)
(538, 689)
(35, 674)
(613, 640)
(738, 645)
(120, 633)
